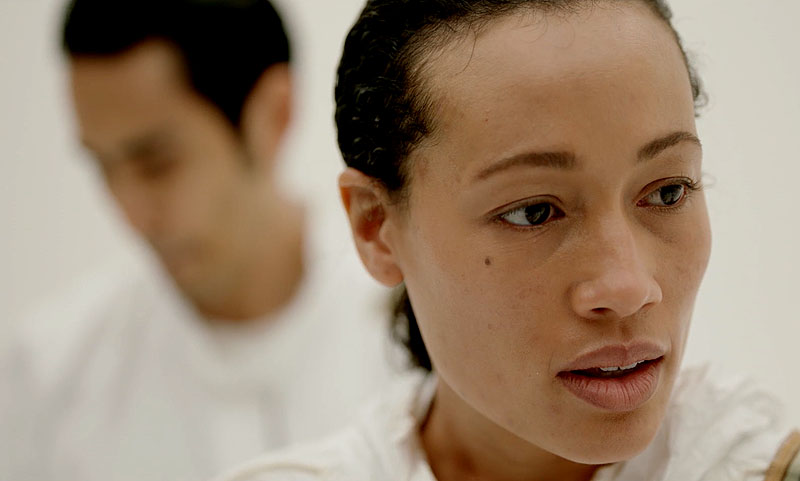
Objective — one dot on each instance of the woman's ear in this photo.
(367, 206)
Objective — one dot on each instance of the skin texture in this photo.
(503, 308)
(200, 192)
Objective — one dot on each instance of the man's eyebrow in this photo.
(657, 146)
(557, 160)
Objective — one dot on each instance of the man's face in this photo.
(175, 165)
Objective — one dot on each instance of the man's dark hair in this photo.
(383, 111)
(226, 45)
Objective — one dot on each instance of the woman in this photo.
(531, 172)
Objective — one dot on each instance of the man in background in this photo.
(256, 336)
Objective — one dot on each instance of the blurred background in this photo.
(56, 224)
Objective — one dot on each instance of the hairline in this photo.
(423, 45)
(183, 71)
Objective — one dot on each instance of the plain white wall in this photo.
(56, 223)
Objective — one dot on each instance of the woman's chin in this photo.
(610, 448)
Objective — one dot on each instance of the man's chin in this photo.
(185, 277)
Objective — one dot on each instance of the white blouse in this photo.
(713, 431)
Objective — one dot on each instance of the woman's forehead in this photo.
(596, 36)
(558, 79)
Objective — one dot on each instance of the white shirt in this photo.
(120, 380)
(713, 431)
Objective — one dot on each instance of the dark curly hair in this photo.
(382, 112)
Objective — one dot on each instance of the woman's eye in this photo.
(532, 215)
(666, 196)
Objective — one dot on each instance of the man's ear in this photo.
(367, 206)
(267, 113)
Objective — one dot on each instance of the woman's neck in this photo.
(462, 444)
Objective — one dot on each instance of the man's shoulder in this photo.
(323, 460)
(47, 340)
(378, 445)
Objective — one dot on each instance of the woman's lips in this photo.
(595, 379)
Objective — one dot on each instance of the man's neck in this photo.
(269, 279)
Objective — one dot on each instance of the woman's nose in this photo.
(617, 282)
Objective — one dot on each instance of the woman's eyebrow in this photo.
(567, 160)
(657, 146)
(557, 160)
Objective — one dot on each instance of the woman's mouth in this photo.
(608, 372)
(615, 388)
(617, 377)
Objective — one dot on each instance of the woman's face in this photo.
(555, 229)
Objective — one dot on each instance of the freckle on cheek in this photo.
(488, 261)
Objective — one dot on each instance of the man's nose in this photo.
(136, 204)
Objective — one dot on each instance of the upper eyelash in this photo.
(498, 217)
(506, 209)
(691, 184)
